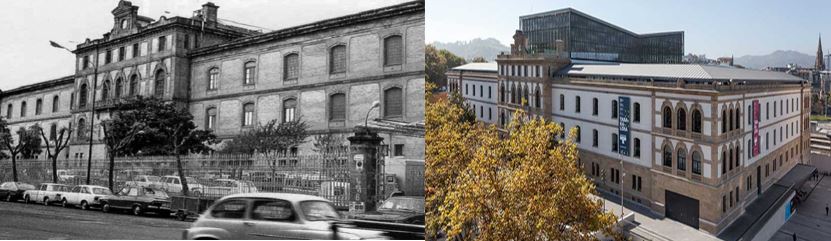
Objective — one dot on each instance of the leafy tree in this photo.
(28, 143)
(479, 60)
(438, 62)
(271, 137)
(3, 146)
(61, 142)
(125, 126)
(524, 185)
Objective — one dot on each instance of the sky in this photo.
(27, 26)
(714, 28)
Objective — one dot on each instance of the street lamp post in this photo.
(375, 104)
(92, 108)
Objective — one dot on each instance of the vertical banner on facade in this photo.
(756, 115)
(623, 125)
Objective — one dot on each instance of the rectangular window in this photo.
(399, 149)
(637, 146)
(594, 138)
(577, 104)
(489, 92)
(614, 142)
(481, 91)
(136, 51)
(121, 53)
(86, 62)
(108, 57)
(187, 41)
(749, 182)
(291, 67)
(162, 43)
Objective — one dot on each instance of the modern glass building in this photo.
(589, 38)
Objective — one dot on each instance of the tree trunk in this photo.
(54, 168)
(185, 188)
(112, 166)
(14, 167)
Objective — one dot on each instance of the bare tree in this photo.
(60, 144)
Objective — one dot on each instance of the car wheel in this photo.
(137, 210)
(46, 201)
(105, 208)
(84, 205)
(26, 199)
(181, 216)
(64, 203)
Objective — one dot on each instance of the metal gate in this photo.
(682, 208)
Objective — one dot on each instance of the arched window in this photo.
(636, 108)
(23, 109)
(337, 59)
(248, 114)
(38, 106)
(525, 94)
(159, 87)
(291, 67)
(337, 107)
(82, 129)
(514, 94)
(724, 121)
(55, 104)
(83, 94)
(119, 87)
(134, 85)
(637, 147)
(682, 159)
(682, 119)
(105, 90)
(53, 129)
(667, 157)
(501, 93)
(538, 98)
(393, 102)
(289, 107)
(210, 120)
(696, 162)
(562, 102)
(667, 115)
(393, 50)
(249, 70)
(737, 121)
(577, 104)
(9, 111)
(732, 161)
(579, 134)
(723, 161)
(730, 116)
(213, 75)
(614, 109)
(594, 106)
(696, 121)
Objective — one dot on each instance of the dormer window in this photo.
(124, 24)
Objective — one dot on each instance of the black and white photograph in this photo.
(221, 119)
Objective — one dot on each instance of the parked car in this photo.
(85, 196)
(172, 184)
(274, 216)
(144, 181)
(398, 209)
(46, 193)
(14, 191)
(222, 187)
(138, 200)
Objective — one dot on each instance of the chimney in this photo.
(209, 11)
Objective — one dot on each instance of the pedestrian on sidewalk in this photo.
(826, 209)
(794, 236)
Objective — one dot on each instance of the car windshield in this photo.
(404, 204)
(24, 186)
(101, 191)
(318, 211)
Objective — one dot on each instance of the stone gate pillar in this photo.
(363, 158)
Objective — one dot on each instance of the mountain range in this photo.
(779, 58)
(487, 48)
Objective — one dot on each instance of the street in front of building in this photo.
(28, 221)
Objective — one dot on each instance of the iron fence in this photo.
(326, 175)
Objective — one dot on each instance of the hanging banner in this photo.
(623, 125)
(756, 115)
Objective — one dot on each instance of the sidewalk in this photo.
(810, 221)
(651, 226)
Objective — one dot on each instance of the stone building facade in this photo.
(338, 68)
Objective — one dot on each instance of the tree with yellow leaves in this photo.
(522, 185)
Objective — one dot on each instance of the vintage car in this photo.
(274, 216)
(14, 191)
(46, 193)
(144, 181)
(398, 209)
(85, 196)
(172, 184)
(138, 200)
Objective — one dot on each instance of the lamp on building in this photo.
(375, 104)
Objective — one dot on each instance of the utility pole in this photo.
(92, 110)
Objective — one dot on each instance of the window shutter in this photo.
(393, 103)
(393, 50)
(338, 107)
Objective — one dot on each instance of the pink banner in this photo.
(756, 117)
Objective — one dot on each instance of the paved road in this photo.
(810, 222)
(35, 221)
